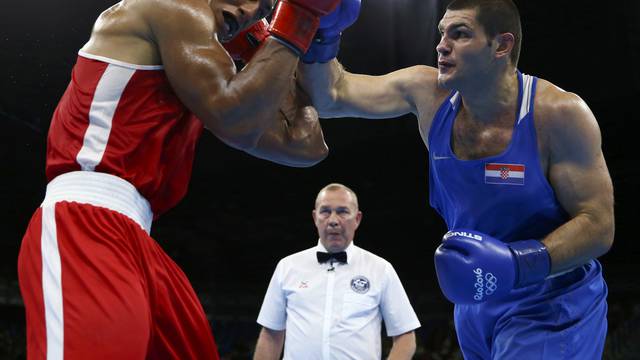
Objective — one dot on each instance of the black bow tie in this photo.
(340, 257)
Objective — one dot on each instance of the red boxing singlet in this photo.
(124, 120)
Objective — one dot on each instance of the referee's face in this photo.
(336, 217)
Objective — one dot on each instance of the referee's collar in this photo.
(350, 250)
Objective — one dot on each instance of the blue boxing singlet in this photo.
(508, 197)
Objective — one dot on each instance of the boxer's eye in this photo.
(460, 35)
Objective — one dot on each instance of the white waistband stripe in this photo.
(103, 190)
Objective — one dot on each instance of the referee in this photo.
(331, 299)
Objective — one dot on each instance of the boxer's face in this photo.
(464, 50)
(232, 16)
(336, 217)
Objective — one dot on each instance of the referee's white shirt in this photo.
(335, 311)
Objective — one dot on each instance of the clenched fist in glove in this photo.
(473, 267)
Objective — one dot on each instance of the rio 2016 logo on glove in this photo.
(484, 285)
(462, 233)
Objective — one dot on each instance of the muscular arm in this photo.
(579, 176)
(238, 107)
(296, 138)
(404, 346)
(338, 93)
(270, 343)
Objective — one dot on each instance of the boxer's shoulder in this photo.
(562, 117)
(122, 33)
(422, 85)
(422, 77)
(552, 103)
(556, 108)
(183, 13)
(131, 31)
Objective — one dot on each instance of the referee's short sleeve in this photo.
(397, 312)
(273, 311)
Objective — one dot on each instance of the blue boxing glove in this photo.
(473, 267)
(326, 42)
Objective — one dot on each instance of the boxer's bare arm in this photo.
(298, 127)
(578, 174)
(337, 93)
(238, 107)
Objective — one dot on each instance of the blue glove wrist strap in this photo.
(322, 50)
(534, 262)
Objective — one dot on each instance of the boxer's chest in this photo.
(472, 140)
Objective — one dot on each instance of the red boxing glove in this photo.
(296, 21)
(245, 44)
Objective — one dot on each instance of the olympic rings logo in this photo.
(492, 283)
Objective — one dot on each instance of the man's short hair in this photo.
(496, 17)
(338, 186)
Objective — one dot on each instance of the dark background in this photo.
(242, 215)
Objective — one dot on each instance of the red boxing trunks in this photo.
(97, 286)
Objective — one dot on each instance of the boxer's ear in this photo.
(504, 44)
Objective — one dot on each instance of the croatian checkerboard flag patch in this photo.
(504, 174)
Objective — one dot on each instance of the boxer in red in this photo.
(120, 149)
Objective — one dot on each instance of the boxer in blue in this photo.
(517, 172)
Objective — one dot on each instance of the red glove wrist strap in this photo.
(294, 24)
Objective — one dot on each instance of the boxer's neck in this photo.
(492, 97)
